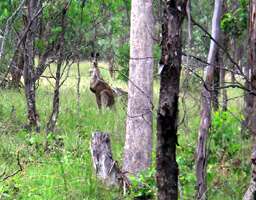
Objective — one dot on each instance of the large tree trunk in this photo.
(167, 116)
(251, 192)
(138, 143)
(28, 74)
(205, 123)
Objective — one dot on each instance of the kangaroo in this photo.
(103, 92)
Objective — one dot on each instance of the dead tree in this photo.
(107, 169)
(167, 115)
(205, 123)
(103, 92)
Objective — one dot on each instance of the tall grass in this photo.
(66, 172)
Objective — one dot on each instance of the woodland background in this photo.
(51, 159)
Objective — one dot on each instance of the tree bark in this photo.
(28, 73)
(251, 192)
(201, 162)
(107, 169)
(138, 142)
(216, 83)
(222, 67)
(222, 84)
(167, 115)
(248, 101)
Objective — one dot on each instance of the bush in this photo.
(143, 185)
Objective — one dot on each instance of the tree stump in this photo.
(106, 167)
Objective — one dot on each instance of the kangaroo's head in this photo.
(94, 72)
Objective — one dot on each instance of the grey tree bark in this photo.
(167, 115)
(138, 142)
(107, 169)
(28, 73)
(251, 191)
(201, 161)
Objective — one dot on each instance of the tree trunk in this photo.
(216, 83)
(56, 97)
(56, 100)
(251, 192)
(222, 66)
(138, 143)
(248, 101)
(167, 115)
(222, 84)
(28, 74)
(205, 123)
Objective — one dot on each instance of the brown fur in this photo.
(103, 92)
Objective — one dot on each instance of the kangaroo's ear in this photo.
(92, 54)
(97, 55)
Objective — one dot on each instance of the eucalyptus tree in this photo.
(167, 115)
(201, 161)
(138, 141)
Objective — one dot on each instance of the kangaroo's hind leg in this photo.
(104, 98)
(98, 100)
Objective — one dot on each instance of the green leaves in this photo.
(143, 185)
(4, 10)
(224, 132)
(235, 22)
(40, 45)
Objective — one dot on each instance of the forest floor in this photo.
(66, 171)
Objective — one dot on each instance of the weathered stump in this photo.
(106, 167)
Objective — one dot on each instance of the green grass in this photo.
(66, 171)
